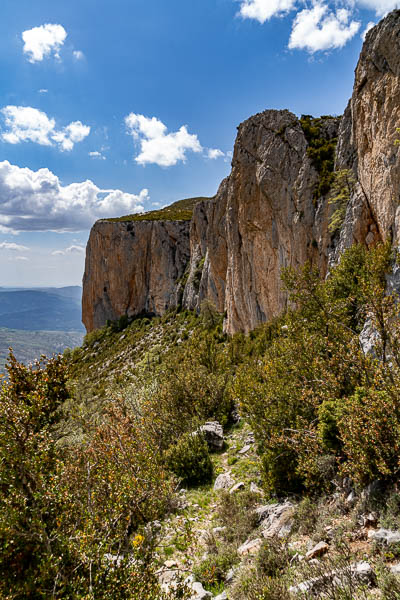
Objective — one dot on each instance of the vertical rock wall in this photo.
(266, 215)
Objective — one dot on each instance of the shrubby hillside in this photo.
(107, 492)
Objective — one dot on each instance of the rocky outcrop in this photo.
(133, 267)
(266, 214)
(264, 217)
(367, 139)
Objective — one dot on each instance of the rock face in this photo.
(266, 215)
(367, 139)
(263, 218)
(133, 268)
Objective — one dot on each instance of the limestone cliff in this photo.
(367, 139)
(270, 212)
(132, 267)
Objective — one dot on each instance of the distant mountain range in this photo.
(36, 321)
(38, 309)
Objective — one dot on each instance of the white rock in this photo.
(250, 547)
(237, 487)
(244, 449)
(255, 489)
(318, 550)
(214, 434)
(199, 592)
(222, 596)
(385, 536)
(224, 482)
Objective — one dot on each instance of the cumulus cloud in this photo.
(12, 246)
(156, 145)
(318, 28)
(78, 54)
(262, 10)
(37, 201)
(72, 134)
(214, 153)
(44, 41)
(43, 91)
(27, 124)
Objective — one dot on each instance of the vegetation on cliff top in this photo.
(182, 210)
(321, 150)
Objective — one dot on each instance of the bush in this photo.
(66, 511)
(189, 459)
(301, 398)
(213, 570)
(236, 514)
(273, 558)
(370, 430)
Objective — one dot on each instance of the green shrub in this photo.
(273, 558)
(370, 430)
(189, 459)
(236, 514)
(213, 570)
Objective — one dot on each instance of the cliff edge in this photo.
(272, 211)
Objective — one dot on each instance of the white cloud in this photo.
(78, 54)
(37, 201)
(70, 250)
(43, 91)
(317, 28)
(381, 7)
(27, 124)
(12, 246)
(97, 154)
(369, 26)
(21, 258)
(41, 42)
(214, 153)
(156, 145)
(262, 10)
(72, 134)
(75, 249)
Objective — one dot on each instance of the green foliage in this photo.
(370, 429)
(182, 210)
(235, 513)
(213, 570)
(273, 558)
(321, 150)
(70, 514)
(296, 397)
(342, 186)
(189, 459)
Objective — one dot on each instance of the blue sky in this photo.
(107, 108)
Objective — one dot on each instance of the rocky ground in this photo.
(226, 538)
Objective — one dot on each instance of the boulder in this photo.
(199, 592)
(275, 519)
(360, 573)
(213, 434)
(384, 536)
(250, 547)
(237, 487)
(318, 550)
(224, 482)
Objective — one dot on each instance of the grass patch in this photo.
(182, 210)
